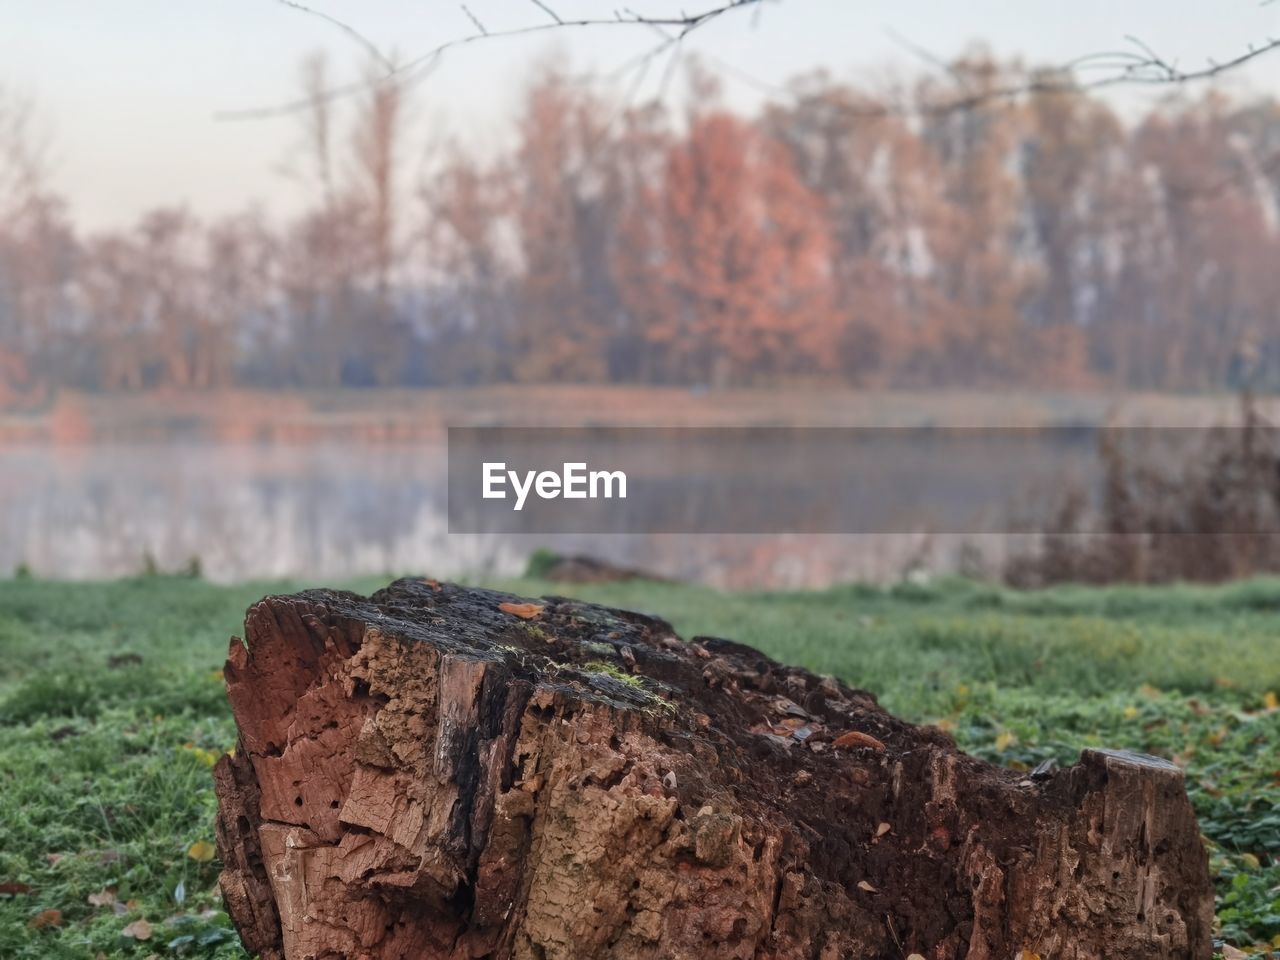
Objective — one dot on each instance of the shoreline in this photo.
(397, 416)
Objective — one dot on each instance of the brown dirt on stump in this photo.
(423, 775)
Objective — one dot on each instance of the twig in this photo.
(1141, 66)
(346, 28)
(475, 20)
(682, 24)
(548, 11)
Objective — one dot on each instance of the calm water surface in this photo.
(326, 512)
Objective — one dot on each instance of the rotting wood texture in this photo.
(444, 772)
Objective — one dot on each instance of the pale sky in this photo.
(128, 89)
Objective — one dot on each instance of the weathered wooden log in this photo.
(442, 772)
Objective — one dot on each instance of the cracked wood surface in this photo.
(423, 774)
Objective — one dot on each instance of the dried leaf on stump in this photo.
(856, 738)
(525, 611)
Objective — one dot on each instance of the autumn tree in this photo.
(987, 225)
(1070, 148)
(881, 189)
(472, 314)
(38, 253)
(565, 222)
(742, 270)
(341, 262)
(241, 257)
(1210, 241)
(973, 241)
(377, 149)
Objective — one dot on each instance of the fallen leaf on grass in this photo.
(46, 918)
(54, 858)
(13, 889)
(207, 757)
(202, 850)
(138, 930)
(525, 611)
(103, 898)
(856, 738)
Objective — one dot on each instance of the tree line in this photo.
(936, 232)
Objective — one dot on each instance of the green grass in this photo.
(111, 712)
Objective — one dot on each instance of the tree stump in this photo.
(444, 772)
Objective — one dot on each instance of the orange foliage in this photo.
(1038, 240)
(739, 281)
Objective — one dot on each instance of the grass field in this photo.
(112, 712)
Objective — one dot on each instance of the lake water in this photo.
(330, 511)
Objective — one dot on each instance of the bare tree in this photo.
(376, 147)
(37, 250)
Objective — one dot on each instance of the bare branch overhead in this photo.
(369, 46)
(1141, 64)
(680, 25)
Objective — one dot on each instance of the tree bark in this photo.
(443, 772)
